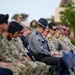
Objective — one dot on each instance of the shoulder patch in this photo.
(49, 38)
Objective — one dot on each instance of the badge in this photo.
(49, 38)
(60, 38)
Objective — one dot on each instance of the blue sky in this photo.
(34, 8)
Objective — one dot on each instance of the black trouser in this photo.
(5, 71)
(54, 61)
(47, 59)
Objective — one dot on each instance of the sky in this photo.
(34, 8)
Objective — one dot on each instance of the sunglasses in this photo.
(21, 32)
(54, 29)
(64, 29)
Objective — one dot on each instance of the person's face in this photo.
(16, 34)
(42, 29)
(67, 30)
(63, 30)
(4, 27)
(27, 33)
(53, 30)
(57, 34)
(45, 33)
(19, 19)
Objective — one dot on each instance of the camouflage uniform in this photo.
(20, 46)
(33, 68)
(5, 56)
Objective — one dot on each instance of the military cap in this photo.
(19, 16)
(43, 22)
(4, 18)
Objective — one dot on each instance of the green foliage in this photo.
(73, 42)
(68, 15)
(24, 16)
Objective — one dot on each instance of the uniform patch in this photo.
(49, 38)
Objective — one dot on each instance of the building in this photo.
(58, 9)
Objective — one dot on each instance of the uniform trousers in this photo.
(52, 61)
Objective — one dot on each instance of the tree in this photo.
(68, 15)
(24, 16)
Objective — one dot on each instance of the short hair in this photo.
(50, 25)
(67, 25)
(27, 28)
(33, 23)
(14, 27)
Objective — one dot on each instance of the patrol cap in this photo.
(14, 27)
(19, 16)
(43, 22)
(4, 18)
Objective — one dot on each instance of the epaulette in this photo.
(49, 38)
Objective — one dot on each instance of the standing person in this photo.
(19, 18)
(3, 28)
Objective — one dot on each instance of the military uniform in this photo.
(66, 42)
(30, 65)
(20, 45)
(5, 56)
(64, 47)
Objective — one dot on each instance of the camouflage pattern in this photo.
(5, 56)
(33, 68)
(20, 46)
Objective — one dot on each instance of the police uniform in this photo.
(53, 43)
(65, 42)
(64, 47)
(39, 46)
(38, 43)
(68, 42)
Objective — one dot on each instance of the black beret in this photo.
(4, 18)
